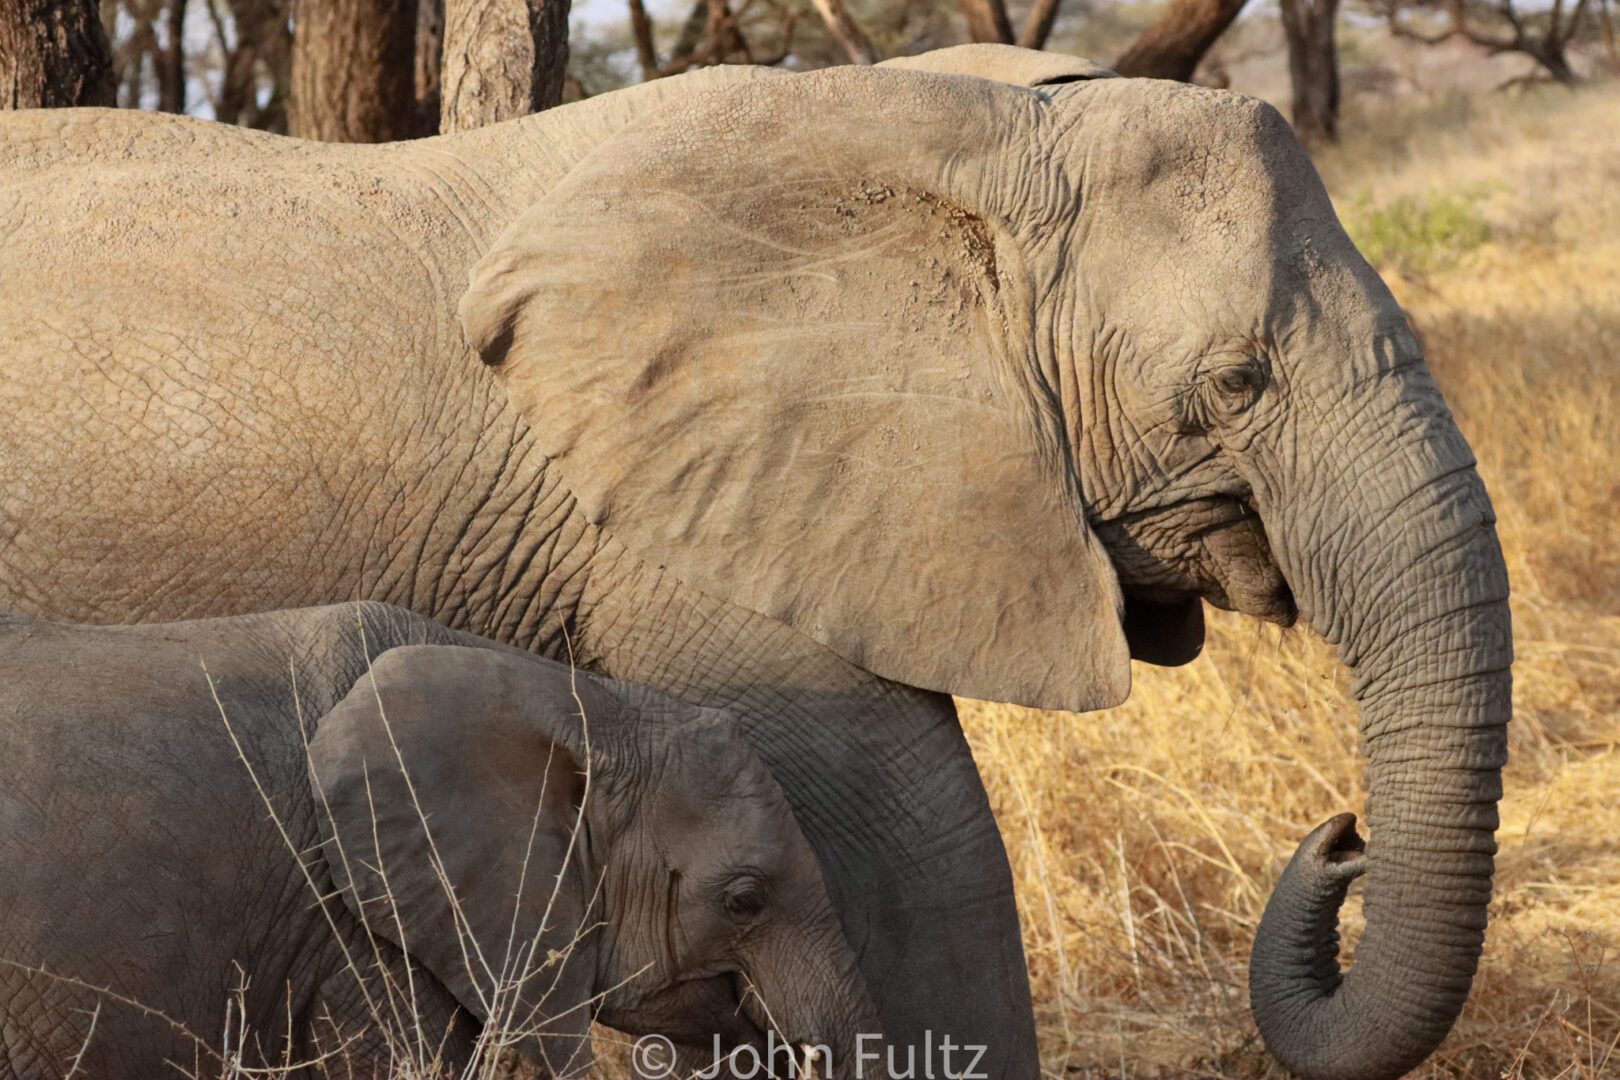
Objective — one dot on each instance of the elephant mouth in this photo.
(1249, 578)
(1214, 547)
(690, 1012)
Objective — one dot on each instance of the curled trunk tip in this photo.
(1297, 992)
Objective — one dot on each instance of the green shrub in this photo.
(1416, 236)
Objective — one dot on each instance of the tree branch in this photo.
(1549, 50)
(641, 30)
(1172, 47)
(987, 21)
(846, 31)
(1038, 24)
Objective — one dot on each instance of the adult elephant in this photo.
(818, 396)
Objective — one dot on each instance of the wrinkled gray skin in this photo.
(816, 396)
(141, 859)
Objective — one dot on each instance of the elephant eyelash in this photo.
(745, 896)
(1224, 392)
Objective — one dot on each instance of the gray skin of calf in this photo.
(155, 912)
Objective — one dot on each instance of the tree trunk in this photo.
(987, 21)
(1038, 24)
(54, 54)
(1610, 52)
(171, 62)
(846, 31)
(502, 59)
(353, 71)
(258, 38)
(641, 32)
(1313, 64)
(429, 64)
(720, 30)
(1172, 47)
(1555, 61)
(690, 38)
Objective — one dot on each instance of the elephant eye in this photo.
(744, 900)
(1238, 386)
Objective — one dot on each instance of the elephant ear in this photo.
(451, 783)
(780, 340)
(1004, 63)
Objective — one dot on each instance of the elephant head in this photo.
(555, 848)
(987, 386)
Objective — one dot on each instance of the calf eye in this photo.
(744, 900)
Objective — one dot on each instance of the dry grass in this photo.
(1145, 840)
(397, 1037)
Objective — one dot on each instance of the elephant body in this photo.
(343, 442)
(816, 397)
(231, 842)
(141, 860)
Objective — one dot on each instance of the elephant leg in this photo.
(884, 785)
(886, 788)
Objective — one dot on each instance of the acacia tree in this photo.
(502, 58)
(1544, 35)
(254, 38)
(1313, 65)
(847, 32)
(54, 54)
(354, 71)
(988, 21)
(157, 40)
(151, 53)
(715, 32)
(1173, 45)
(429, 61)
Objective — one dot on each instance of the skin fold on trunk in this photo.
(816, 1009)
(824, 1023)
(846, 1016)
(1408, 580)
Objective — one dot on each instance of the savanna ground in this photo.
(1145, 840)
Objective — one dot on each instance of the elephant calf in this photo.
(351, 832)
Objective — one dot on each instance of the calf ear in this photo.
(451, 782)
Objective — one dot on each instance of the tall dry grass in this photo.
(1145, 840)
(402, 1033)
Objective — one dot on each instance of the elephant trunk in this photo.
(1408, 579)
(846, 1029)
(854, 1042)
(825, 1011)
